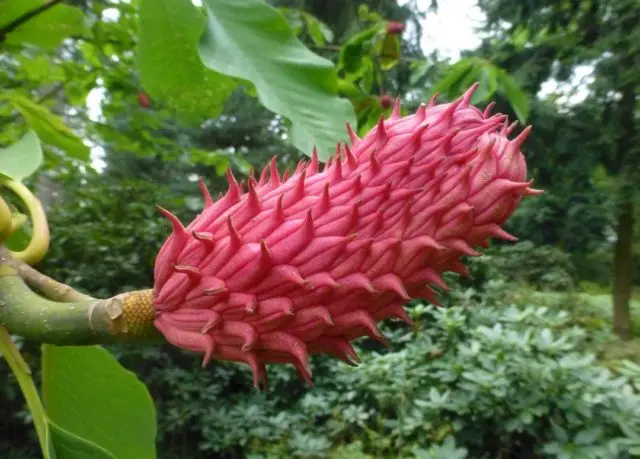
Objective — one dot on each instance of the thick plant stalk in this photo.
(83, 321)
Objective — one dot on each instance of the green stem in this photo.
(39, 242)
(70, 317)
(50, 288)
(22, 373)
(124, 317)
(6, 220)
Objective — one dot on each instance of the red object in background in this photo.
(386, 101)
(395, 27)
(143, 100)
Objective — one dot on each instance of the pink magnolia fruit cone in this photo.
(303, 265)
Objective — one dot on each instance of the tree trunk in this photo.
(623, 263)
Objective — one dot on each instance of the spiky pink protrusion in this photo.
(303, 264)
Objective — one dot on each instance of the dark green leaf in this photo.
(318, 31)
(487, 77)
(588, 436)
(516, 97)
(168, 61)
(354, 51)
(450, 82)
(368, 75)
(21, 159)
(46, 29)
(389, 51)
(419, 70)
(49, 127)
(87, 392)
(41, 69)
(19, 239)
(249, 39)
(347, 88)
(90, 53)
(369, 112)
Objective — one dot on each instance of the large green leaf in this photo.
(19, 239)
(251, 40)
(389, 51)
(46, 29)
(49, 127)
(88, 393)
(41, 69)
(419, 70)
(349, 89)
(516, 97)
(486, 75)
(451, 80)
(318, 30)
(170, 68)
(461, 75)
(65, 445)
(355, 51)
(21, 159)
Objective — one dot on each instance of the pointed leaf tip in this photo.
(488, 109)
(395, 114)
(466, 97)
(177, 225)
(533, 191)
(314, 163)
(208, 200)
(381, 131)
(254, 200)
(519, 140)
(235, 238)
(352, 135)
(432, 100)
(274, 176)
(234, 192)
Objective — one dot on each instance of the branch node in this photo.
(113, 308)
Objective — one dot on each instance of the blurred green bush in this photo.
(504, 371)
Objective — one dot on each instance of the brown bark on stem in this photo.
(623, 259)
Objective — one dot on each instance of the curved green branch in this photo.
(50, 288)
(6, 220)
(39, 242)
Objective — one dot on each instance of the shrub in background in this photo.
(472, 381)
